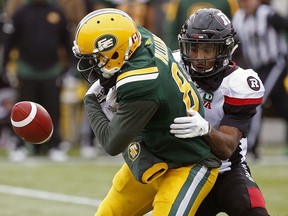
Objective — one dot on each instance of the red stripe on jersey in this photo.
(242, 101)
(256, 198)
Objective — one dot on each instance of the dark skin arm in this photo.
(224, 141)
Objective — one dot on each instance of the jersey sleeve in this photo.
(126, 124)
(244, 94)
(138, 84)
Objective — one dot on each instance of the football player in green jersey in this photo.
(172, 176)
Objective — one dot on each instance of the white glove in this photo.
(107, 102)
(110, 106)
(98, 91)
(192, 126)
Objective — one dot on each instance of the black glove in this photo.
(108, 83)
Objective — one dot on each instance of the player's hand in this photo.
(110, 106)
(192, 126)
(98, 91)
(108, 83)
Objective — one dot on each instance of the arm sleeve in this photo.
(127, 123)
(239, 117)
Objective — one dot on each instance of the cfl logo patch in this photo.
(134, 150)
(207, 100)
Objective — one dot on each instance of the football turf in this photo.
(38, 187)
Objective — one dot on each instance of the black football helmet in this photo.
(211, 30)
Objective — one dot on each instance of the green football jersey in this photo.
(152, 74)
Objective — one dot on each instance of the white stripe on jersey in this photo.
(191, 191)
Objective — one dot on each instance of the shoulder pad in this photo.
(243, 84)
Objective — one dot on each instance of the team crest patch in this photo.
(134, 150)
(106, 42)
(253, 83)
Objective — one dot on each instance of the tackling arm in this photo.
(224, 141)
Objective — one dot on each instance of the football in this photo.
(31, 122)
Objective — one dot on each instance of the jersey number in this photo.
(189, 96)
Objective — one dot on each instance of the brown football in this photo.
(31, 122)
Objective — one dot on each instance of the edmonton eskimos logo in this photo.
(105, 42)
(134, 150)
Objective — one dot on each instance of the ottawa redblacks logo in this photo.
(253, 83)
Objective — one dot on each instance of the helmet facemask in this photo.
(204, 58)
(91, 65)
(206, 43)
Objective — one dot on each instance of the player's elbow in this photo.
(226, 154)
(114, 147)
(112, 151)
(116, 143)
(223, 154)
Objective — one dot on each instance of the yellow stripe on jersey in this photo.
(137, 75)
(161, 58)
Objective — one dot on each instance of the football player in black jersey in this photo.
(230, 96)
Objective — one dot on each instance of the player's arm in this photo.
(224, 141)
(128, 121)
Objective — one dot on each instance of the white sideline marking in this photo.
(48, 195)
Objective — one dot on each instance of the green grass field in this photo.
(39, 187)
